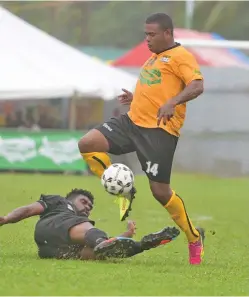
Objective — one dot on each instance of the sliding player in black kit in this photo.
(64, 230)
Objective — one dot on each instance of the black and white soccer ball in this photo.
(117, 179)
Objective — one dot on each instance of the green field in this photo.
(220, 205)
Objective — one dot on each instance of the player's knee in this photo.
(94, 236)
(161, 192)
(93, 141)
(84, 145)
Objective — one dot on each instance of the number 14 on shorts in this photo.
(152, 168)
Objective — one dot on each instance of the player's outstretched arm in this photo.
(22, 213)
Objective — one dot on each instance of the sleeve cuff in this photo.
(196, 77)
(43, 203)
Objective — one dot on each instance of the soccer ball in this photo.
(117, 179)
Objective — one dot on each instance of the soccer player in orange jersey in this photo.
(168, 80)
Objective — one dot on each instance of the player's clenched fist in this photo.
(126, 97)
(165, 113)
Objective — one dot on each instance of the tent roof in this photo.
(205, 56)
(37, 65)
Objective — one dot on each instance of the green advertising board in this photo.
(40, 151)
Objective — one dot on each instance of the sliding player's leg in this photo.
(95, 146)
(123, 247)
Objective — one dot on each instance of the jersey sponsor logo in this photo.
(150, 76)
(165, 59)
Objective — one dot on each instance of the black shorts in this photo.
(52, 236)
(155, 147)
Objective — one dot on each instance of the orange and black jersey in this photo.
(162, 77)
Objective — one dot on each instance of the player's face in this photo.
(83, 205)
(156, 38)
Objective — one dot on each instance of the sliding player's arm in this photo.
(131, 230)
(22, 213)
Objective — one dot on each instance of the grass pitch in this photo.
(220, 205)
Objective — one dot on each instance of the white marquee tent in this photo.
(35, 65)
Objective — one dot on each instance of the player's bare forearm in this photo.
(17, 215)
(128, 233)
(192, 91)
(23, 212)
(131, 229)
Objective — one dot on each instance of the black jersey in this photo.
(52, 229)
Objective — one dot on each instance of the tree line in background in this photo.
(120, 24)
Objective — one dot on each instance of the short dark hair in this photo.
(75, 192)
(162, 19)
